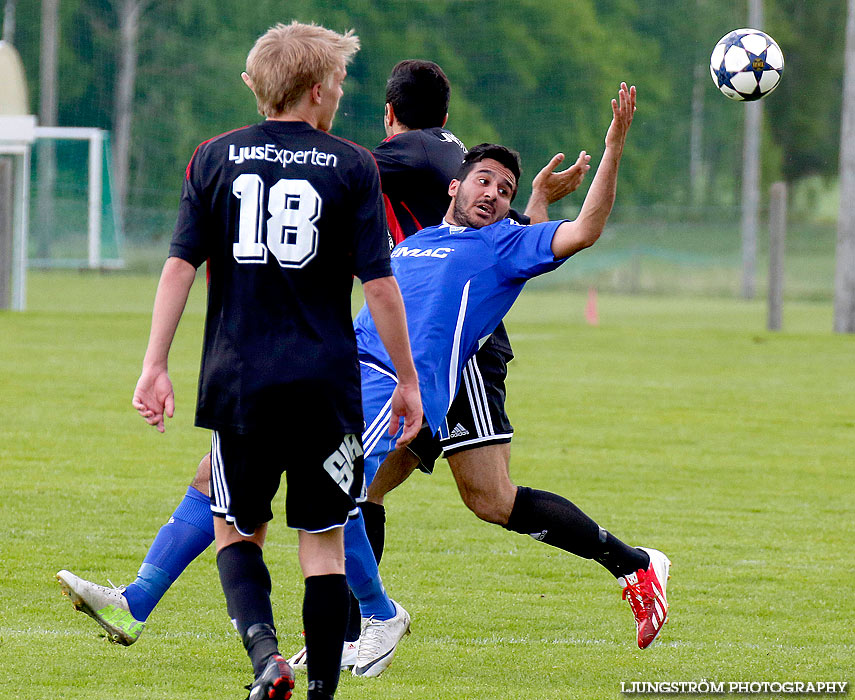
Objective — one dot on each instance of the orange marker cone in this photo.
(591, 315)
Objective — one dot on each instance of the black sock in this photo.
(246, 583)
(260, 643)
(324, 619)
(354, 620)
(374, 516)
(550, 518)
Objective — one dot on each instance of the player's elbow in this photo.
(579, 239)
(382, 291)
(590, 237)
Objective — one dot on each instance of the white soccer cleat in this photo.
(645, 591)
(348, 658)
(107, 606)
(378, 642)
(298, 661)
(348, 655)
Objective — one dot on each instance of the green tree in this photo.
(804, 111)
(536, 76)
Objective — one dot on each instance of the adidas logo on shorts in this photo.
(459, 431)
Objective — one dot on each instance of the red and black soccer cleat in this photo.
(276, 681)
(645, 591)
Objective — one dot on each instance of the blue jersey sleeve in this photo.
(524, 252)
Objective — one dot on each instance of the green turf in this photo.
(676, 423)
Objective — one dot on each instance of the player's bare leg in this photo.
(484, 482)
(325, 607)
(246, 585)
(202, 478)
(483, 479)
(394, 471)
(227, 535)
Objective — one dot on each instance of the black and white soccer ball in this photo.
(746, 64)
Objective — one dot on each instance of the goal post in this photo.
(104, 240)
(17, 134)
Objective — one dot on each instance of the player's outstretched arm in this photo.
(153, 396)
(386, 305)
(573, 236)
(549, 186)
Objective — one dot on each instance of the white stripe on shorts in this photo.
(486, 439)
(379, 427)
(477, 395)
(455, 348)
(372, 433)
(218, 481)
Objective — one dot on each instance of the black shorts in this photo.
(323, 473)
(476, 416)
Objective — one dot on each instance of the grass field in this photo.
(676, 423)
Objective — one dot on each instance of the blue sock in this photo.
(188, 533)
(362, 574)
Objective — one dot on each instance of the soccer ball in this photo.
(746, 64)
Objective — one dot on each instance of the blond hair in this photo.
(288, 60)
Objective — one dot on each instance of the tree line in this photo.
(163, 76)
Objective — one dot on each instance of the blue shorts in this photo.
(378, 384)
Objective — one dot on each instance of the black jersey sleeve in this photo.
(371, 240)
(188, 239)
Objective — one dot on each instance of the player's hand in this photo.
(623, 110)
(552, 185)
(406, 405)
(154, 397)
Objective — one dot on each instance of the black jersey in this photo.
(415, 169)
(285, 215)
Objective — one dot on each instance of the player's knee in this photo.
(202, 479)
(375, 495)
(487, 506)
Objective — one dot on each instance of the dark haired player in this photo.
(458, 280)
(417, 161)
(419, 157)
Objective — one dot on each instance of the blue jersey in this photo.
(457, 283)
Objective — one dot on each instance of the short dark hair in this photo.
(506, 156)
(418, 92)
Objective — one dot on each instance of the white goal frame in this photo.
(95, 183)
(17, 134)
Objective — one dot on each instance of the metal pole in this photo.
(19, 289)
(751, 175)
(844, 274)
(9, 22)
(777, 239)
(96, 148)
(7, 206)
